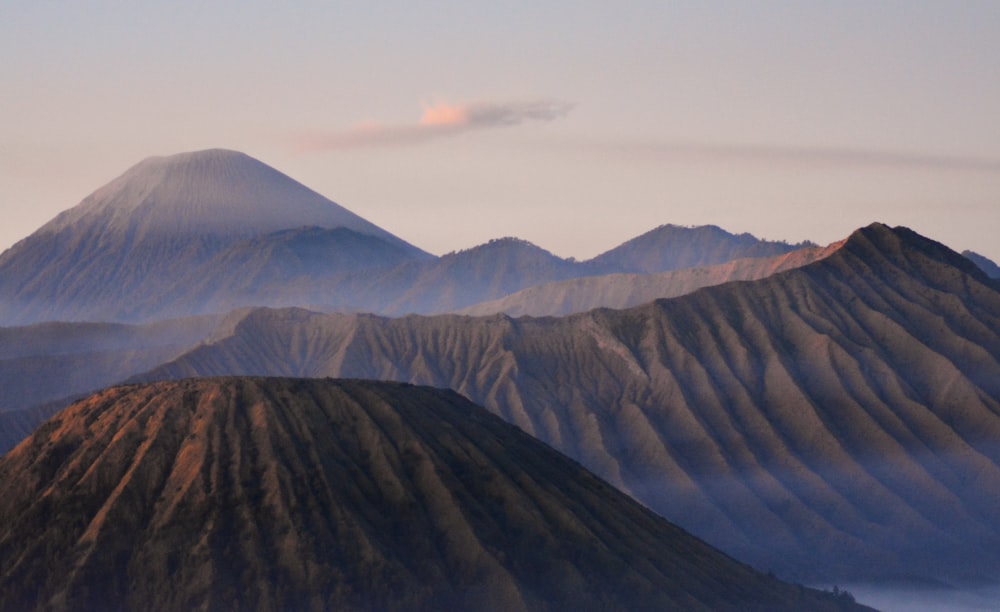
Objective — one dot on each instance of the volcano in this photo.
(127, 249)
(294, 494)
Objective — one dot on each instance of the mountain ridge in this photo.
(685, 249)
(209, 231)
(829, 422)
(623, 290)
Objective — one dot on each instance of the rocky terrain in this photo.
(832, 422)
(830, 414)
(282, 494)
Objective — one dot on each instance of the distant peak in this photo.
(218, 192)
(897, 242)
(204, 154)
(211, 160)
(510, 241)
(879, 230)
(507, 242)
(985, 264)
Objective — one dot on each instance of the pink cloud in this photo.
(445, 114)
(438, 120)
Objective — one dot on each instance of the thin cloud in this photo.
(438, 121)
(814, 156)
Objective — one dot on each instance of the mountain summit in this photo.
(147, 235)
(212, 192)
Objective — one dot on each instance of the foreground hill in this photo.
(837, 421)
(278, 494)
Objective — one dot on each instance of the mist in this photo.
(926, 599)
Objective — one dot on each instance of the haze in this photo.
(572, 125)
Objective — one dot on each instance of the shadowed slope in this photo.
(278, 494)
(837, 421)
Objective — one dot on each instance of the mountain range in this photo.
(211, 231)
(835, 421)
(826, 413)
(283, 494)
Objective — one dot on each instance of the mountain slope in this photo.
(304, 494)
(619, 291)
(159, 223)
(457, 280)
(985, 264)
(674, 247)
(51, 361)
(837, 421)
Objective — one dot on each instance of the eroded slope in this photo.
(284, 494)
(832, 422)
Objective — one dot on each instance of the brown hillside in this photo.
(280, 494)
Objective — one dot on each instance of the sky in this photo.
(574, 125)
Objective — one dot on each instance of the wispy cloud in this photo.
(802, 155)
(438, 120)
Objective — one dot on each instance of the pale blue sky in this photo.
(575, 125)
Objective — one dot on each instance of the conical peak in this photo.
(212, 166)
(217, 155)
(214, 192)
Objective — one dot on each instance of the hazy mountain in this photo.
(282, 494)
(626, 290)
(51, 361)
(674, 247)
(836, 421)
(457, 280)
(210, 231)
(985, 264)
(116, 255)
(316, 267)
(16, 425)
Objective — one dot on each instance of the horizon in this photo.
(573, 126)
